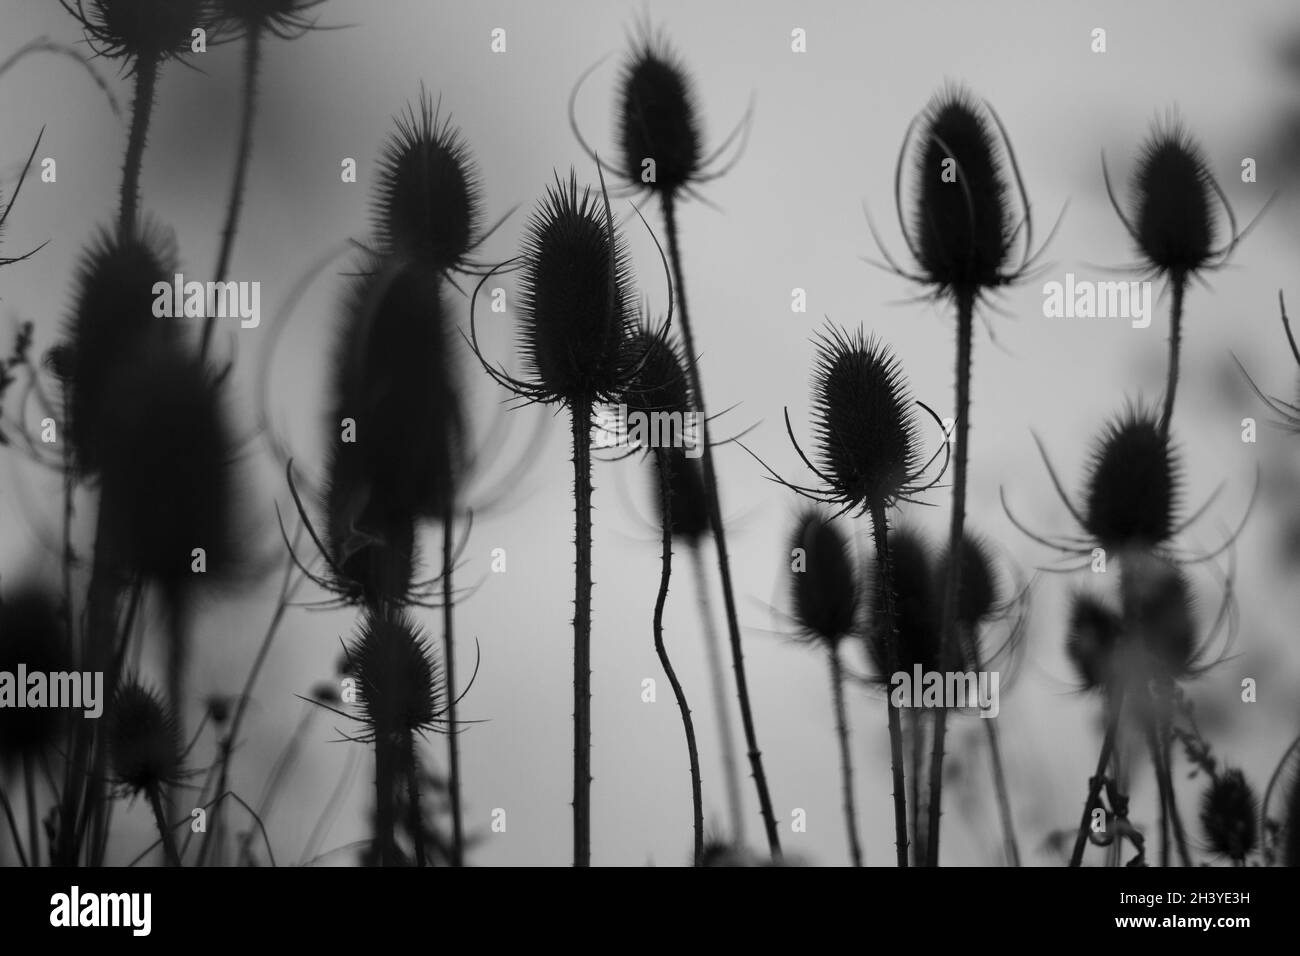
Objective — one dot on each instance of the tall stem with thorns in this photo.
(885, 571)
(449, 661)
(146, 83)
(846, 758)
(1178, 283)
(720, 536)
(952, 585)
(582, 415)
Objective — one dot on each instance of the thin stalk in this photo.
(582, 634)
(13, 826)
(449, 660)
(952, 584)
(885, 569)
(846, 759)
(164, 831)
(1175, 818)
(918, 761)
(721, 710)
(720, 536)
(385, 785)
(1098, 780)
(252, 60)
(33, 826)
(414, 822)
(146, 83)
(1179, 286)
(1004, 799)
(692, 753)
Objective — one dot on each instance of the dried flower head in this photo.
(398, 676)
(1133, 484)
(824, 588)
(1229, 815)
(659, 382)
(285, 19)
(145, 747)
(1091, 640)
(978, 597)
(688, 499)
(32, 635)
(138, 30)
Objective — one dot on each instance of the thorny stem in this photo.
(252, 60)
(414, 822)
(999, 774)
(146, 83)
(846, 759)
(1179, 284)
(1098, 779)
(693, 755)
(720, 537)
(449, 659)
(914, 807)
(952, 585)
(885, 570)
(582, 634)
(164, 831)
(33, 827)
(385, 785)
(721, 709)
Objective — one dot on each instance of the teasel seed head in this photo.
(145, 748)
(659, 382)
(1159, 607)
(915, 619)
(399, 677)
(112, 320)
(963, 223)
(1229, 815)
(140, 29)
(978, 594)
(1173, 214)
(657, 117)
(428, 202)
(284, 18)
(31, 634)
(688, 500)
(576, 299)
(824, 594)
(1133, 484)
(1092, 640)
(866, 435)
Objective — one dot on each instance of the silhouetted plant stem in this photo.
(697, 801)
(252, 61)
(33, 826)
(721, 709)
(952, 585)
(1098, 779)
(164, 831)
(146, 82)
(13, 827)
(1178, 283)
(1162, 788)
(885, 570)
(719, 534)
(914, 807)
(414, 822)
(1175, 818)
(846, 759)
(386, 759)
(581, 412)
(449, 661)
(1004, 798)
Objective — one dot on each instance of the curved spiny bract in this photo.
(824, 589)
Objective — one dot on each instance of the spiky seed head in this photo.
(1133, 484)
(144, 739)
(1091, 640)
(31, 634)
(657, 119)
(576, 298)
(824, 586)
(112, 318)
(867, 437)
(399, 677)
(371, 546)
(284, 18)
(395, 376)
(428, 202)
(169, 479)
(978, 593)
(962, 218)
(659, 382)
(141, 29)
(1158, 601)
(1173, 202)
(687, 499)
(1228, 815)
(915, 619)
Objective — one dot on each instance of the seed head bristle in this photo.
(31, 634)
(398, 675)
(962, 217)
(144, 739)
(824, 584)
(576, 312)
(867, 437)
(657, 118)
(428, 201)
(1228, 815)
(1133, 484)
(1173, 202)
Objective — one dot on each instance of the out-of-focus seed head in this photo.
(962, 218)
(688, 498)
(371, 547)
(140, 29)
(32, 635)
(1158, 603)
(866, 435)
(659, 382)
(1173, 212)
(400, 679)
(915, 618)
(657, 119)
(1229, 815)
(428, 202)
(283, 18)
(824, 584)
(145, 747)
(1091, 640)
(112, 319)
(978, 593)
(576, 299)
(1133, 484)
